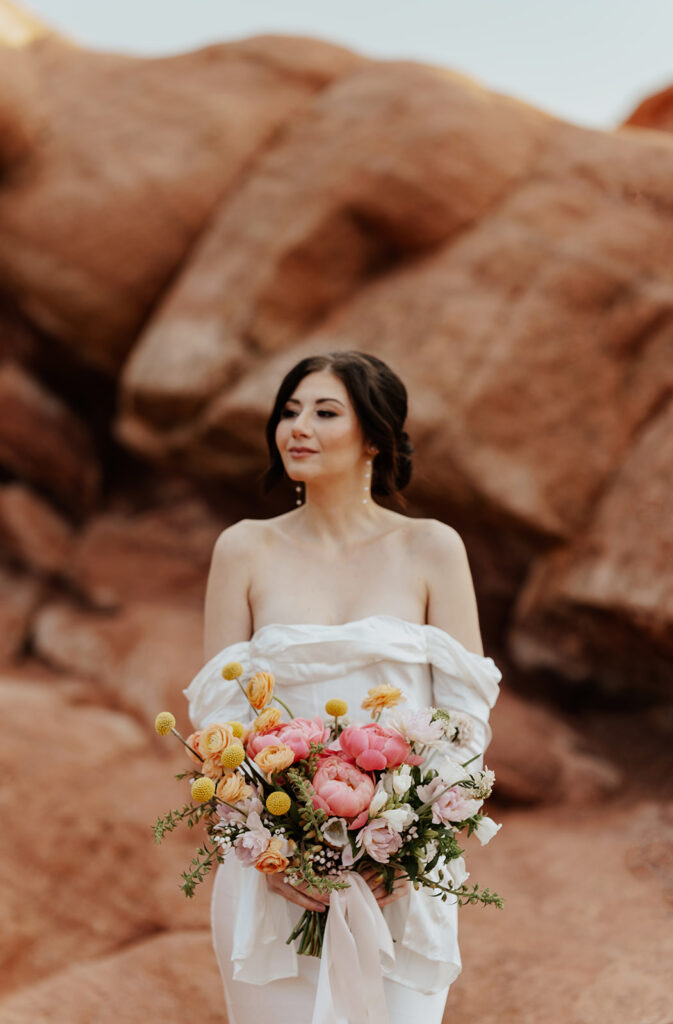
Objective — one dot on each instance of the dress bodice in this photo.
(312, 663)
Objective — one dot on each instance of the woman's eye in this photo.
(290, 412)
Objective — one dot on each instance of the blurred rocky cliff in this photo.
(175, 234)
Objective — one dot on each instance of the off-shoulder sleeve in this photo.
(212, 698)
(463, 681)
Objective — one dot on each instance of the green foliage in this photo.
(203, 863)
(191, 812)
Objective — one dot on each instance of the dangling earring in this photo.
(298, 490)
(368, 473)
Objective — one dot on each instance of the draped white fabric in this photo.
(312, 663)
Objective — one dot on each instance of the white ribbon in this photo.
(350, 984)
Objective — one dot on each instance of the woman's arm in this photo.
(227, 615)
(452, 604)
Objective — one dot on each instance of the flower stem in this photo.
(186, 744)
(282, 704)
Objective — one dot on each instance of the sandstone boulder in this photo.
(132, 156)
(142, 656)
(32, 533)
(538, 759)
(44, 442)
(82, 875)
(20, 596)
(165, 977)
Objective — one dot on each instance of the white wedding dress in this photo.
(263, 977)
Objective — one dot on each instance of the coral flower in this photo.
(193, 741)
(274, 758)
(373, 747)
(214, 738)
(233, 789)
(299, 734)
(341, 789)
(267, 720)
(381, 697)
(272, 859)
(260, 689)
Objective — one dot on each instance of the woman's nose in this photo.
(299, 424)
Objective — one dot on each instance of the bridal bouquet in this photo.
(319, 799)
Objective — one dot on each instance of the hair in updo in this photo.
(379, 399)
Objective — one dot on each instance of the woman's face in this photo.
(319, 418)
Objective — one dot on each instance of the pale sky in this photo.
(590, 61)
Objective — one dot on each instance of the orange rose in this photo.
(260, 689)
(380, 697)
(275, 757)
(214, 738)
(272, 860)
(233, 788)
(193, 741)
(212, 768)
(268, 720)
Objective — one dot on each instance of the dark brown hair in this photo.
(379, 399)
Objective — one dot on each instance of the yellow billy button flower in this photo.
(232, 670)
(232, 756)
(336, 707)
(238, 729)
(278, 803)
(164, 722)
(203, 789)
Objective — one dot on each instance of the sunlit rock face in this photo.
(655, 111)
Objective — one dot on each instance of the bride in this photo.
(339, 590)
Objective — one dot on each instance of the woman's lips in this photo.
(300, 453)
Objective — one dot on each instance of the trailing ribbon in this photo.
(350, 984)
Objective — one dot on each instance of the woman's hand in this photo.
(299, 894)
(374, 880)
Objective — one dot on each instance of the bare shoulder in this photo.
(452, 603)
(432, 539)
(240, 538)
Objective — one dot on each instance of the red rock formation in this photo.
(174, 235)
(654, 111)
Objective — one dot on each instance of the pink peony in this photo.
(341, 789)
(298, 734)
(374, 747)
(453, 805)
(379, 839)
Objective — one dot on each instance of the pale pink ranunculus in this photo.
(379, 839)
(374, 747)
(453, 805)
(341, 789)
(299, 734)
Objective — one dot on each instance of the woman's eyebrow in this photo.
(317, 401)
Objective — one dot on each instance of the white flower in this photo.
(451, 772)
(379, 800)
(400, 817)
(483, 784)
(460, 728)
(335, 832)
(430, 851)
(402, 779)
(486, 829)
(456, 870)
(417, 726)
